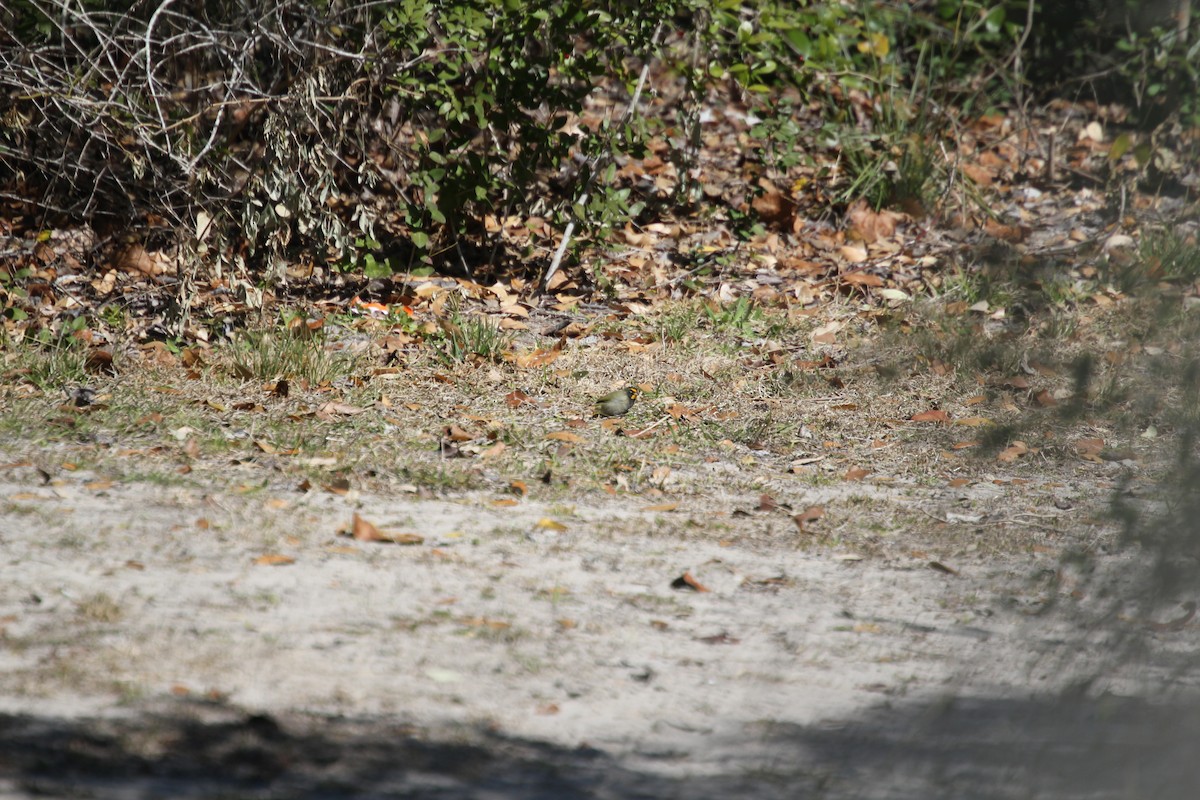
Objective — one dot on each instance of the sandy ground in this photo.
(146, 650)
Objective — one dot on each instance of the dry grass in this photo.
(733, 408)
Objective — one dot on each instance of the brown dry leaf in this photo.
(856, 474)
(719, 638)
(1013, 452)
(494, 451)
(338, 486)
(100, 361)
(869, 226)
(274, 560)
(1090, 449)
(98, 486)
(940, 567)
(978, 174)
(810, 514)
(192, 357)
(565, 436)
(662, 507)
(135, 259)
(774, 208)
(1045, 399)
(932, 415)
(973, 422)
(1013, 234)
(686, 581)
(363, 531)
(956, 483)
(854, 255)
(456, 434)
(329, 410)
(516, 398)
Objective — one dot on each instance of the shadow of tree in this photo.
(957, 747)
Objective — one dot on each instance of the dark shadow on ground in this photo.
(1060, 749)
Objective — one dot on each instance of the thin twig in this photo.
(595, 166)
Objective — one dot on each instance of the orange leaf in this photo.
(856, 474)
(456, 434)
(274, 560)
(1045, 399)
(933, 415)
(810, 514)
(863, 278)
(1013, 452)
(686, 581)
(565, 436)
(516, 398)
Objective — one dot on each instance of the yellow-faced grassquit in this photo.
(614, 404)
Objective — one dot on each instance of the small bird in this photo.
(614, 404)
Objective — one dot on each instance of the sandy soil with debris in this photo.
(198, 642)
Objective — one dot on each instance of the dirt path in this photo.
(538, 651)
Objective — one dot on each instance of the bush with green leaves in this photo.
(489, 97)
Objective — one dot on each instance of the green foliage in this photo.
(53, 359)
(290, 351)
(489, 94)
(464, 337)
(739, 317)
(1162, 73)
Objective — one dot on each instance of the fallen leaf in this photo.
(329, 410)
(364, 531)
(516, 398)
(1189, 611)
(274, 560)
(810, 514)
(1013, 452)
(686, 581)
